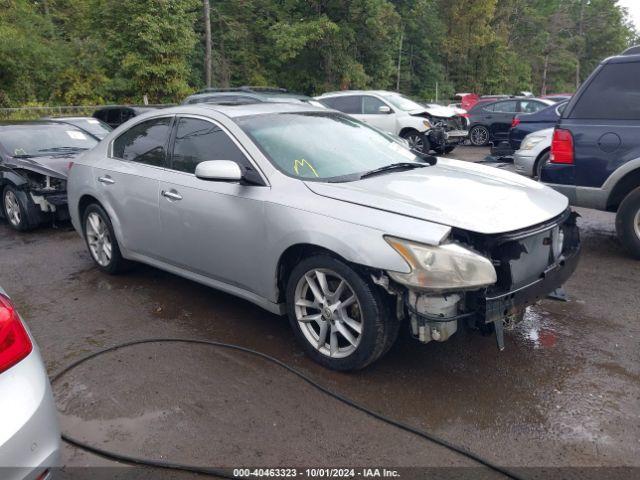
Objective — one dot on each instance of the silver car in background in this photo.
(534, 153)
(29, 431)
(313, 213)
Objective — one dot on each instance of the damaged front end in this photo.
(42, 193)
(484, 281)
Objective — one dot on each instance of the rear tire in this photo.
(628, 223)
(101, 240)
(318, 320)
(15, 212)
(540, 163)
(479, 136)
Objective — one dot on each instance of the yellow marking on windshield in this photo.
(297, 164)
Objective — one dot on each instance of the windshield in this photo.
(38, 140)
(323, 146)
(401, 102)
(91, 125)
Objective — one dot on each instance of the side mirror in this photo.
(224, 170)
(384, 109)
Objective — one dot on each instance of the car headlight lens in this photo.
(426, 123)
(443, 267)
(530, 142)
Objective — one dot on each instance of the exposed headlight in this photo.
(530, 142)
(426, 123)
(443, 268)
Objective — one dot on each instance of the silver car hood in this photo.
(457, 194)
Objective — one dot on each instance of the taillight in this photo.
(515, 122)
(561, 147)
(15, 343)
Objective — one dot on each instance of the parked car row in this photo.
(591, 153)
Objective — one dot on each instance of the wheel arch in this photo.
(292, 255)
(406, 131)
(539, 157)
(630, 181)
(84, 201)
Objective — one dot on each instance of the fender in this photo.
(619, 173)
(7, 175)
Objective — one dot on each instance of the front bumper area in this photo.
(529, 264)
(523, 164)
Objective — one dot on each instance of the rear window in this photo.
(613, 95)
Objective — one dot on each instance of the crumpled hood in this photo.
(53, 166)
(457, 194)
(440, 111)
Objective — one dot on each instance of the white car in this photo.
(534, 153)
(29, 432)
(397, 114)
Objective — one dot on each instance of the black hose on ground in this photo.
(224, 474)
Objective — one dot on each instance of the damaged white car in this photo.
(312, 213)
(34, 161)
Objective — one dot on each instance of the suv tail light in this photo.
(15, 343)
(561, 147)
(515, 122)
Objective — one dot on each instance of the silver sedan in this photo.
(533, 153)
(312, 213)
(29, 432)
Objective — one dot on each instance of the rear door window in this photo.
(145, 142)
(347, 104)
(506, 107)
(198, 141)
(613, 95)
(531, 106)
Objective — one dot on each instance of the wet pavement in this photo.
(564, 392)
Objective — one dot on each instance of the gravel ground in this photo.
(564, 393)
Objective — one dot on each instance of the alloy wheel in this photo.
(636, 224)
(416, 142)
(328, 313)
(479, 136)
(12, 208)
(98, 239)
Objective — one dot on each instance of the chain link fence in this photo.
(34, 113)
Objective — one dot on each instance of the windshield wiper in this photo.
(392, 167)
(63, 149)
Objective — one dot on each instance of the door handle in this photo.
(171, 195)
(107, 180)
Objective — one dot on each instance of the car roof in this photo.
(244, 110)
(132, 107)
(249, 94)
(358, 92)
(66, 119)
(8, 124)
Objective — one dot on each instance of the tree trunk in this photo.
(399, 60)
(207, 42)
(545, 72)
(581, 39)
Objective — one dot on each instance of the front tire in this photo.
(479, 136)
(417, 141)
(14, 211)
(101, 240)
(339, 318)
(628, 223)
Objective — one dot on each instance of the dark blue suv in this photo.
(527, 123)
(595, 151)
